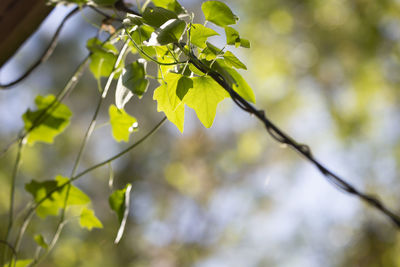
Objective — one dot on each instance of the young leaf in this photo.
(235, 80)
(170, 32)
(122, 124)
(218, 13)
(210, 52)
(204, 98)
(199, 35)
(89, 220)
(157, 16)
(244, 43)
(232, 36)
(55, 201)
(56, 119)
(102, 59)
(133, 78)
(39, 239)
(169, 102)
(119, 202)
(172, 5)
(232, 61)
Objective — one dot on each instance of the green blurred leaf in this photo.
(89, 220)
(232, 61)
(122, 124)
(199, 35)
(157, 16)
(168, 101)
(172, 5)
(170, 32)
(119, 202)
(103, 57)
(218, 13)
(39, 239)
(56, 119)
(204, 98)
(51, 206)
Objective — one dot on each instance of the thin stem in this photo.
(148, 56)
(12, 193)
(85, 140)
(31, 212)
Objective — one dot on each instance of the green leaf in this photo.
(102, 59)
(184, 84)
(133, 78)
(232, 36)
(157, 16)
(119, 202)
(199, 35)
(20, 263)
(232, 61)
(210, 52)
(235, 80)
(55, 201)
(89, 220)
(204, 98)
(122, 124)
(39, 239)
(170, 32)
(244, 43)
(172, 5)
(218, 13)
(169, 102)
(56, 119)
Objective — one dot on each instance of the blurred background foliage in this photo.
(328, 72)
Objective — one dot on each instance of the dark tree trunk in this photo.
(19, 19)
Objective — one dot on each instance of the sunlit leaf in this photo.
(218, 13)
(199, 35)
(210, 52)
(204, 98)
(172, 5)
(232, 36)
(169, 102)
(56, 119)
(244, 43)
(39, 239)
(235, 80)
(157, 16)
(232, 61)
(55, 201)
(119, 202)
(89, 220)
(122, 124)
(170, 32)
